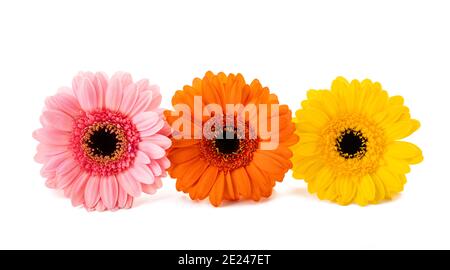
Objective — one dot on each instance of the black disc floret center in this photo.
(103, 142)
(351, 144)
(228, 143)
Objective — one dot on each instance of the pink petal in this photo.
(142, 103)
(77, 194)
(76, 83)
(92, 191)
(57, 120)
(142, 173)
(63, 102)
(142, 85)
(109, 191)
(152, 150)
(78, 80)
(158, 182)
(141, 157)
(114, 93)
(50, 150)
(158, 139)
(153, 130)
(130, 97)
(145, 120)
(101, 84)
(166, 130)
(66, 166)
(54, 161)
(164, 162)
(100, 206)
(122, 198)
(130, 185)
(156, 169)
(52, 136)
(51, 182)
(156, 98)
(149, 189)
(41, 157)
(86, 95)
(68, 189)
(129, 202)
(63, 180)
(46, 152)
(65, 90)
(47, 173)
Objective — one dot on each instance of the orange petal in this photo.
(206, 182)
(241, 182)
(228, 190)
(266, 164)
(272, 156)
(216, 194)
(191, 175)
(177, 170)
(259, 180)
(184, 143)
(181, 155)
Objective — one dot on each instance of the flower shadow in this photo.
(300, 191)
(143, 200)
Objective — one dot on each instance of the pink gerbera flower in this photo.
(103, 141)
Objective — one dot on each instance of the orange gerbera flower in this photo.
(241, 160)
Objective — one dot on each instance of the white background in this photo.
(291, 46)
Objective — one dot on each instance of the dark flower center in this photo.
(228, 144)
(351, 144)
(229, 153)
(104, 142)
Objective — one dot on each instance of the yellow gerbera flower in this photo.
(349, 148)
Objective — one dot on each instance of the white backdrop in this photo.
(291, 46)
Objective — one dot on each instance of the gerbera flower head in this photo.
(234, 140)
(103, 141)
(350, 148)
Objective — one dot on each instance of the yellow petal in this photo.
(402, 178)
(361, 95)
(377, 101)
(305, 126)
(307, 149)
(330, 193)
(312, 185)
(308, 137)
(380, 193)
(360, 199)
(324, 178)
(328, 104)
(298, 174)
(397, 165)
(308, 167)
(315, 117)
(339, 87)
(396, 100)
(391, 181)
(405, 151)
(311, 94)
(367, 188)
(415, 160)
(415, 125)
(390, 116)
(401, 129)
(350, 97)
(346, 190)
